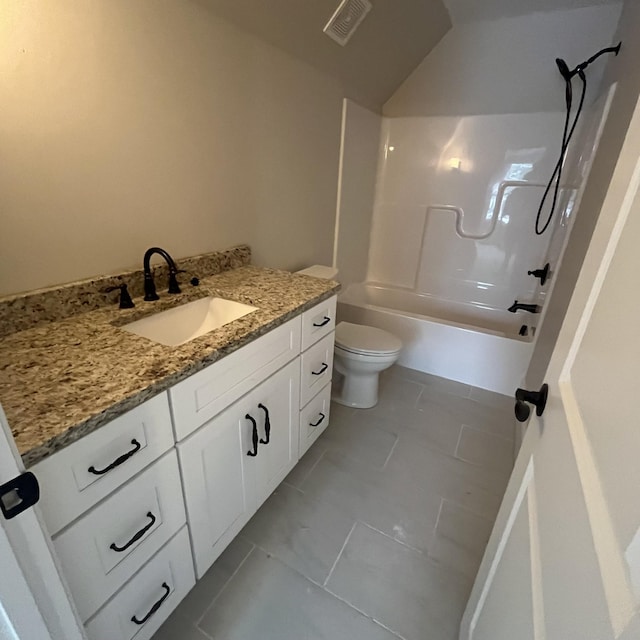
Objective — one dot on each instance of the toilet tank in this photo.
(320, 271)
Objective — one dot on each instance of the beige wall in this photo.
(130, 124)
(359, 166)
(625, 71)
(504, 66)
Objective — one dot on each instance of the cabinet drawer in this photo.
(199, 398)
(318, 322)
(76, 478)
(314, 418)
(316, 368)
(160, 585)
(103, 549)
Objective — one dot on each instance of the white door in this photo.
(33, 600)
(563, 562)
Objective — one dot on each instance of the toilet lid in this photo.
(361, 339)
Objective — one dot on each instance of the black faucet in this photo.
(518, 306)
(149, 284)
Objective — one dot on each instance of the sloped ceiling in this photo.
(386, 48)
(463, 11)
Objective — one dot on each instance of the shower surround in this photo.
(452, 237)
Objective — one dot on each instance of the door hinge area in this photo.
(19, 494)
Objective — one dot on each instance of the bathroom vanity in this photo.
(141, 505)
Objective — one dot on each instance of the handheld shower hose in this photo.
(569, 129)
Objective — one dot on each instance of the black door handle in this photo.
(315, 424)
(267, 424)
(118, 461)
(19, 494)
(536, 398)
(326, 320)
(137, 536)
(323, 368)
(254, 436)
(155, 607)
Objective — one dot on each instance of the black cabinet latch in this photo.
(19, 494)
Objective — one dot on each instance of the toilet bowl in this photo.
(360, 354)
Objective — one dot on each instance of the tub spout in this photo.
(518, 306)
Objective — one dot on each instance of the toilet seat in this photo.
(363, 340)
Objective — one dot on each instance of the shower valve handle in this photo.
(543, 273)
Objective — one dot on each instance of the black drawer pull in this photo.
(155, 607)
(267, 424)
(118, 461)
(315, 424)
(326, 320)
(323, 368)
(254, 436)
(137, 537)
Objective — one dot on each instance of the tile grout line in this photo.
(417, 400)
(390, 537)
(425, 554)
(317, 584)
(463, 507)
(291, 486)
(204, 633)
(315, 464)
(455, 451)
(275, 556)
(362, 613)
(393, 448)
(224, 586)
(488, 433)
(435, 528)
(324, 584)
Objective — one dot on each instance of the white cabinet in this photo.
(234, 462)
(206, 393)
(110, 543)
(115, 500)
(318, 322)
(145, 602)
(219, 499)
(78, 477)
(274, 403)
(316, 370)
(314, 418)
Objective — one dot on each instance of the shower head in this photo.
(568, 74)
(564, 69)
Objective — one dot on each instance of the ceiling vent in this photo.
(346, 20)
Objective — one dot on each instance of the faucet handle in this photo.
(125, 298)
(174, 287)
(195, 281)
(543, 273)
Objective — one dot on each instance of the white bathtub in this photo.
(469, 343)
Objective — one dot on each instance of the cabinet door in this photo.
(275, 403)
(219, 489)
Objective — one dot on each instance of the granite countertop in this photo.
(63, 380)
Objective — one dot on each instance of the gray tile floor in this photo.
(377, 533)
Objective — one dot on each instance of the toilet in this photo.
(360, 354)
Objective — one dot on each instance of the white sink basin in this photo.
(192, 320)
